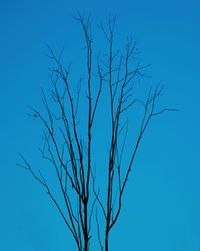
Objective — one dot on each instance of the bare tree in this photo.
(71, 154)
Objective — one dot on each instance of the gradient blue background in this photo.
(162, 203)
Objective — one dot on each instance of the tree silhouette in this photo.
(71, 154)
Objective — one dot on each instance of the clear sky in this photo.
(162, 204)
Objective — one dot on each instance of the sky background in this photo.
(162, 203)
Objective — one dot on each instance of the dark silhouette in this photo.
(71, 154)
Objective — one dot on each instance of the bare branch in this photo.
(70, 154)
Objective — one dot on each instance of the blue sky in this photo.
(162, 203)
